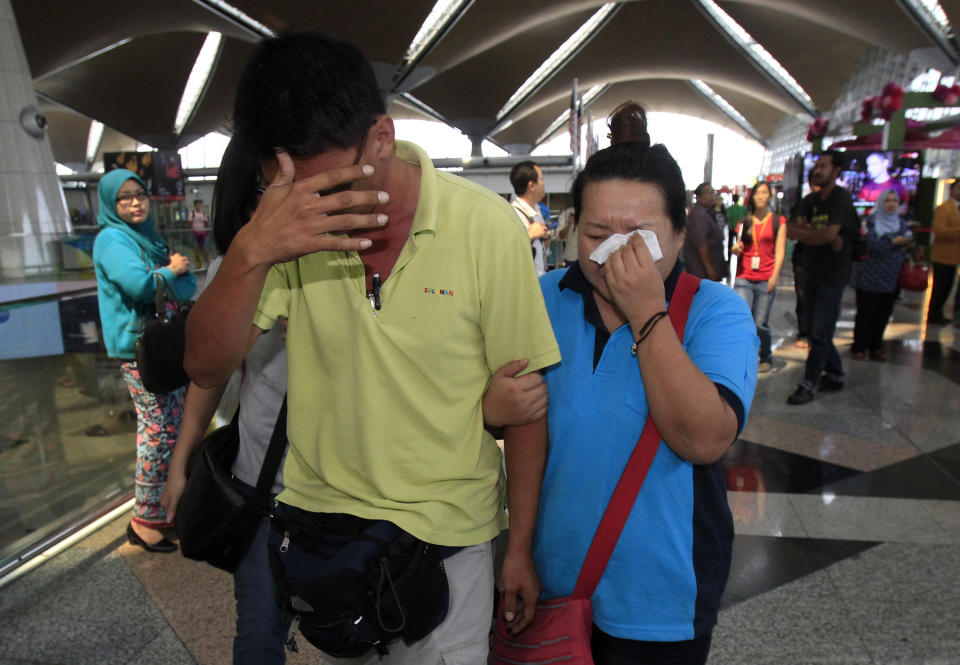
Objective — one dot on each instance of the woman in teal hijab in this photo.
(128, 256)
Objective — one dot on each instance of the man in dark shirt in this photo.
(703, 247)
(824, 223)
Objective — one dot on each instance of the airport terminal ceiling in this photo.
(126, 65)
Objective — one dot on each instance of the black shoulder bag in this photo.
(215, 521)
(162, 342)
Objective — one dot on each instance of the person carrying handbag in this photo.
(622, 363)
(876, 277)
(128, 256)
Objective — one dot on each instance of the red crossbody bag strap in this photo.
(631, 480)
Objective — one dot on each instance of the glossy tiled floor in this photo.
(847, 515)
(847, 509)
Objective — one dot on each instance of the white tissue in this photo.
(618, 240)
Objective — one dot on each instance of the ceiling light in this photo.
(559, 58)
(94, 137)
(197, 81)
(760, 56)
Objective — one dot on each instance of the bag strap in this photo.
(271, 461)
(162, 287)
(631, 480)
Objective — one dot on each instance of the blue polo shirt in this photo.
(671, 563)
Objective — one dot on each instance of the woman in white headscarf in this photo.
(876, 277)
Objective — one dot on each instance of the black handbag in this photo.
(215, 520)
(162, 342)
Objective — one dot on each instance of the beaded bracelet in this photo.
(646, 330)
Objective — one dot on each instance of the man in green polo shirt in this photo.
(405, 288)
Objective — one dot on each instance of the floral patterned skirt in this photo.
(158, 424)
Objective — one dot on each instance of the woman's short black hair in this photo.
(234, 194)
(306, 93)
(638, 163)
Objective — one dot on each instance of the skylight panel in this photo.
(437, 22)
(197, 81)
(558, 58)
(727, 108)
(933, 13)
(759, 54)
(240, 17)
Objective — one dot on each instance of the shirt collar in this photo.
(425, 216)
(524, 207)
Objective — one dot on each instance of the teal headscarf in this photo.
(145, 233)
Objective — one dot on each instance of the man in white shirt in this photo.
(529, 189)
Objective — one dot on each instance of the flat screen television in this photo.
(870, 172)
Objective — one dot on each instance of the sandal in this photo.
(96, 430)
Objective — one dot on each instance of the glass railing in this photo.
(67, 423)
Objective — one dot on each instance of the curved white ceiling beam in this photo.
(755, 52)
(727, 109)
(930, 17)
(556, 60)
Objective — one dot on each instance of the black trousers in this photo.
(609, 650)
(873, 314)
(802, 308)
(943, 275)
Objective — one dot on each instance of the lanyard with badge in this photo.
(755, 259)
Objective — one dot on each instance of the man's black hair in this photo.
(837, 158)
(637, 163)
(521, 174)
(306, 93)
(735, 198)
(699, 189)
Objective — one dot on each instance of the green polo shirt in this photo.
(385, 417)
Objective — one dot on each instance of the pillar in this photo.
(33, 211)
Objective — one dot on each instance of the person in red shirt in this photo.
(761, 245)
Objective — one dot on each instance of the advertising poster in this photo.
(160, 171)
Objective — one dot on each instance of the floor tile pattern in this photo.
(846, 513)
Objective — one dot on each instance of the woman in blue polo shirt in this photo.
(658, 599)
